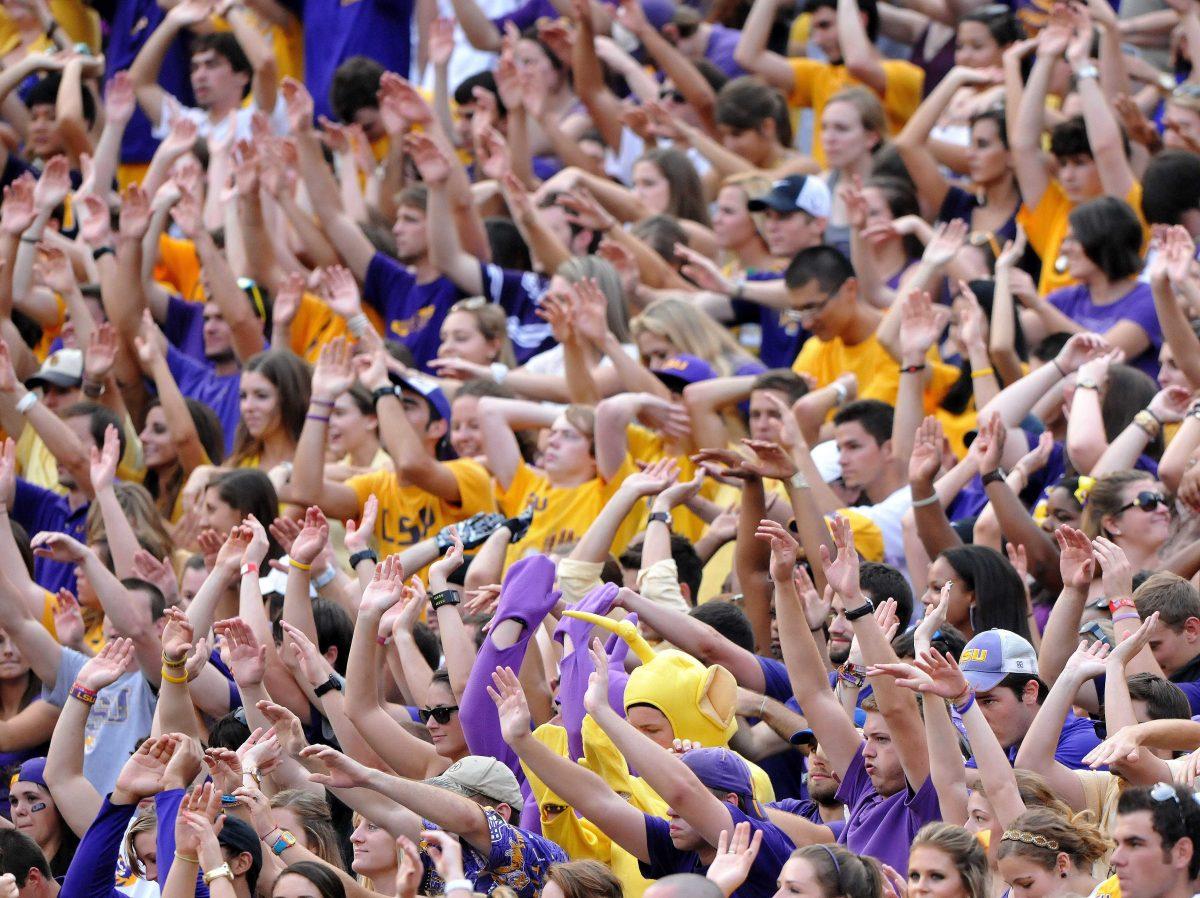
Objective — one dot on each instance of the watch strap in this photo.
(445, 597)
(330, 685)
(867, 607)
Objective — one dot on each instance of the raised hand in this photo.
(358, 535)
(409, 101)
(102, 462)
(53, 186)
(1078, 349)
(773, 461)
(948, 240)
(53, 269)
(1076, 558)
(17, 212)
(842, 572)
(446, 852)
(58, 546)
(991, 438)
(784, 549)
(921, 324)
(511, 706)
(934, 620)
(68, 620)
(341, 291)
(135, 213)
(107, 666)
(385, 587)
(1127, 649)
(1116, 573)
(1087, 662)
(312, 538)
(735, 856)
(143, 774)
(1037, 457)
(343, 772)
(286, 725)
(441, 41)
(1013, 251)
(247, 659)
(177, 636)
(299, 104)
(1170, 404)
(431, 163)
(595, 700)
(440, 570)
(926, 458)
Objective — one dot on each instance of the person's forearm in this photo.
(1123, 452)
(308, 465)
(1018, 527)
(1061, 633)
(1041, 740)
(1016, 400)
(933, 527)
(1086, 441)
(1177, 330)
(122, 541)
(77, 799)
(93, 868)
(945, 759)
(297, 606)
(149, 61)
(994, 768)
(597, 540)
(810, 524)
(1176, 459)
(202, 609)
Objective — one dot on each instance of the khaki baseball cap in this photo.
(476, 775)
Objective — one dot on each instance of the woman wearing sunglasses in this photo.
(1130, 508)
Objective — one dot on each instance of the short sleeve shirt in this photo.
(815, 82)
(879, 826)
(666, 859)
(121, 717)
(409, 514)
(197, 381)
(518, 859)
(1137, 306)
(412, 313)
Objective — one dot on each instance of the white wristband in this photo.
(499, 372)
(325, 577)
(464, 884)
(26, 402)
(358, 324)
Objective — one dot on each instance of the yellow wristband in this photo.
(983, 372)
(299, 565)
(168, 677)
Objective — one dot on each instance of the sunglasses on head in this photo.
(440, 713)
(1146, 501)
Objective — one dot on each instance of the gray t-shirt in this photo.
(121, 717)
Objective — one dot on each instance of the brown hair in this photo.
(583, 419)
(1106, 498)
(292, 379)
(1174, 598)
(585, 879)
(964, 850)
(839, 871)
(1074, 835)
(492, 322)
(870, 112)
(312, 811)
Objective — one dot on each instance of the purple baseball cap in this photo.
(429, 390)
(993, 655)
(724, 770)
(680, 370)
(32, 771)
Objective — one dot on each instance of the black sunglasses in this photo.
(441, 713)
(1146, 501)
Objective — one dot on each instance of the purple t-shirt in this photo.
(883, 827)
(781, 340)
(1137, 306)
(38, 509)
(666, 859)
(722, 42)
(197, 381)
(184, 327)
(519, 293)
(412, 313)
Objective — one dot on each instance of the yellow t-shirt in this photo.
(38, 465)
(286, 42)
(409, 514)
(647, 446)
(93, 621)
(315, 325)
(877, 372)
(178, 267)
(816, 82)
(1046, 225)
(561, 514)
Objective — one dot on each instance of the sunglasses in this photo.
(671, 94)
(441, 713)
(1146, 501)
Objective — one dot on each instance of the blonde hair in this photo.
(964, 851)
(146, 822)
(583, 419)
(870, 111)
(141, 511)
(753, 185)
(1041, 834)
(1035, 791)
(1107, 497)
(492, 322)
(676, 321)
(313, 813)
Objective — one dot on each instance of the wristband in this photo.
(26, 402)
(928, 500)
(83, 694)
(186, 859)
(983, 372)
(168, 677)
(324, 402)
(267, 834)
(365, 555)
(250, 567)
(324, 419)
(455, 885)
(358, 324)
(102, 251)
(1128, 615)
(171, 662)
(996, 476)
(445, 597)
(222, 871)
(324, 578)
(966, 705)
(333, 684)
(230, 801)
(913, 369)
(1115, 605)
(1061, 372)
(299, 565)
(26, 238)
(499, 371)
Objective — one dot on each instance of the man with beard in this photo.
(407, 293)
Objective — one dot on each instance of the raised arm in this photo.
(146, 67)
(834, 730)
(858, 53)
(1025, 139)
(497, 420)
(1104, 134)
(752, 54)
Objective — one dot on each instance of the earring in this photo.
(1063, 874)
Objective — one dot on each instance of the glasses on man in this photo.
(440, 713)
(807, 313)
(1147, 500)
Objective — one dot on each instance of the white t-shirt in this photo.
(218, 132)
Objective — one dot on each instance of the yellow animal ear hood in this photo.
(699, 701)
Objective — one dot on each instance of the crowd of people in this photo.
(599, 449)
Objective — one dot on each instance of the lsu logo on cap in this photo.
(978, 655)
(673, 365)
